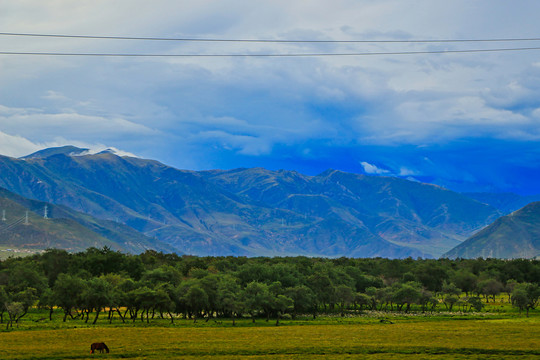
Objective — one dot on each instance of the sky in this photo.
(465, 121)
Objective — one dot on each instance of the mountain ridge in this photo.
(60, 226)
(252, 211)
(516, 235)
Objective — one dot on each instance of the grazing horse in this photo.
(98, 346)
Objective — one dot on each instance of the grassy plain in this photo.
(418, 337)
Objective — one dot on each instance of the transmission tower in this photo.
(45, 212)
(3, 215)
(26, 218)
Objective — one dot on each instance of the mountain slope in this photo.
(64, 228)
(505, 202)
(252, 211)
(516, 235)
(419, 216)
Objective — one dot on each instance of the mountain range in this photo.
(251, 212)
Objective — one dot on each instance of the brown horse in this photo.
(98, 346)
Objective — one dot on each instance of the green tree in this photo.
(464, 280)
(19, 304)
(408, 293)
(475, 303)
(230, 297)
(490, 288)
(281, 305)
(303, 300)
(526, 296)
(67, 292)
(47, 301)
(257, 298)
(97, 295)
(196, 300)
(344, 296)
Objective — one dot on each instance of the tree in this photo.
(67, 292)
(526, 296)
(322, 287)
(97, 295)
(14, 309)
(303, 300)
(465, 280)
(256, 298)
(196, 300)
(23, 276)
(4, 299)
(362, 300)
(162, 274)
(427, 299)
(490, 287)
(54, 262)
(162, 301)
(230, 297)
(281, 304)
(47, 301)
(475, 303)
(144, 301)
(407, 293)
(432, 275)
(19, 304)
(451, 295)
(344, 296)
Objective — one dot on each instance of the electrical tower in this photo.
(3, 215)
(45, 212)
(26, 219)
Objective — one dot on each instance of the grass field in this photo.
(331, 338)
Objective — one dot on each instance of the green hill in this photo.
(516, 235)
(23, 226)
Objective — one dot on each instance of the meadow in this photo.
(476, 336)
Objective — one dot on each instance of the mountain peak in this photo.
(68, 150)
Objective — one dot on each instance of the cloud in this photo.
(16, 146)
(37, 124)
(230, 112)
(372, 169)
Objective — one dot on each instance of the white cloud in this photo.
(16, 146)
(37, 124)
(250, 105)
(372, 169)
(243, 144)
(406, 172)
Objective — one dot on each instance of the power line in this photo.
(262, 40)
(268, 55)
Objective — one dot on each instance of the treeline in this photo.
(139, 287)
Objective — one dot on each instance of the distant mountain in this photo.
(57, 226)
(516, 235)
(505, 202)
(65, 150)
(252, 211)
(418, 216)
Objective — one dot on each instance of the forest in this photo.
(107, 285)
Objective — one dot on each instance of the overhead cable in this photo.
(263, 40)
(266, 55)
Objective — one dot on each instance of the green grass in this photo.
(505, 336)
